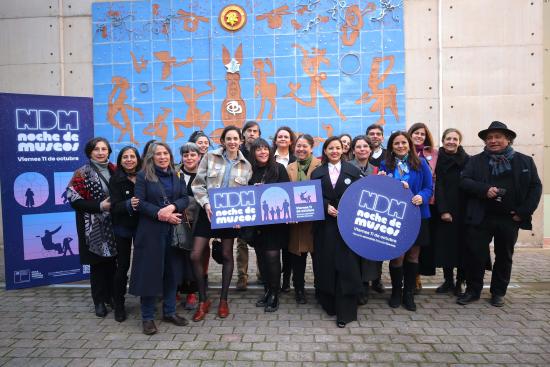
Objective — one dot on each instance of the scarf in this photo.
(98, 229)
(500, 162)
(419, 150)
(303, 167)
(446, 161)
(401, 171)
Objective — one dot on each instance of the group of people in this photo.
(465, 203)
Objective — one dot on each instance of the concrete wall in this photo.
(468, 62)
(546, 114)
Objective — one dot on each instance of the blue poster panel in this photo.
(380, 221)
(164, 68)
(266, 204)
(41, 143)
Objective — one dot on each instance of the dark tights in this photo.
(270, 267)
(199, 245)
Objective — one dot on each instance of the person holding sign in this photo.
(337, 268)
(301, 235)
(403, 164)
(269, 239)
(223, 167)
(157, 266)
(88, 193)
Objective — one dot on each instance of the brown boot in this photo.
(149, 327)
(418, 285)
(202, 310)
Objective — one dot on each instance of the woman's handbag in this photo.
(182, 234)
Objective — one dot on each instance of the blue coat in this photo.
(420, 183)
(151, 236)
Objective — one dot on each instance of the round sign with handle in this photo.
(377, 219)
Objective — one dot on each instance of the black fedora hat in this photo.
(497, 126)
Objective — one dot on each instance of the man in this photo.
(504, 190)
(251, 131)
(376, 135)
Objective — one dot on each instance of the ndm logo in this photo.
(42, 122)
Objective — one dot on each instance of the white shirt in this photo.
(282, 159)
(377, 153)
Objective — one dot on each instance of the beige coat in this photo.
(301, 234)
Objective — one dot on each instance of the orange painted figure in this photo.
(156, 8)
(267, 91)
(233, 108)
(193, 117)
(354, 23)
(116, 105)
(383, 98)
(191, 20)
(158, 127)
(310, 65)
(169, 62)
(138, 65)
(297, 26)
(275, 17)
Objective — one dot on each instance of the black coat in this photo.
(331, 254)
(476, 179)
(149, 246)
(122, 190)
(272, 236)
(449, 198)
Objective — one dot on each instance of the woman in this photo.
(424, 146)
(347, 152)
(157, 267)
(283, 142)
(201, 139)
(190, 158)
(268, 239)
(404, 165)
(223, 167)
(450, 203)
(301, 234)
(337, 268)
(88, 193)
(371, 271)
(125, 221)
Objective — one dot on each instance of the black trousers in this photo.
(124, 248)
(504, 231)
(286, 264)
(298, 270)
(101, 280)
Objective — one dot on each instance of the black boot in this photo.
(262, 301)
(363, 298)
(286, 283)
(300, 295)
(272, 303)
(460, 285)
(396, 274)
(449, 284)
(120, 312)
(410, 270)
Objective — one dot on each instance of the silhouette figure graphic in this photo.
(272, 212)
(265, 208)
(47, 241)
(67, 246)
(278, 210)
(286, 209)
(29, 202)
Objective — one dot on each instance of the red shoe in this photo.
(202, 310)
(223, 309)
(178, 297)
(191, 301)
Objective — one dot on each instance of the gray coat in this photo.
(149, 247)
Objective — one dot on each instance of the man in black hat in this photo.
(504, 190)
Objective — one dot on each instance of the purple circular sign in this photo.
(377, 219)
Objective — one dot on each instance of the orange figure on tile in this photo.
(138, 65)
(354, 23)
(193, 117)
(155, 9)
(169, 62)
(116, 105)
(297, 26)
(275, 17)
(233, 109)
(191, 20)
(158, 127)
(267, 91)
(383, 98)
(310, 65)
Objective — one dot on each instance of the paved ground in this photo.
(52, 326)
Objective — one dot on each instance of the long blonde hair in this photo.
(149, 163)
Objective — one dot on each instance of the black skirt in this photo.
(203, 229)
(423, 238)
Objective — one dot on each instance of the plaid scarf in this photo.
(500, 162)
